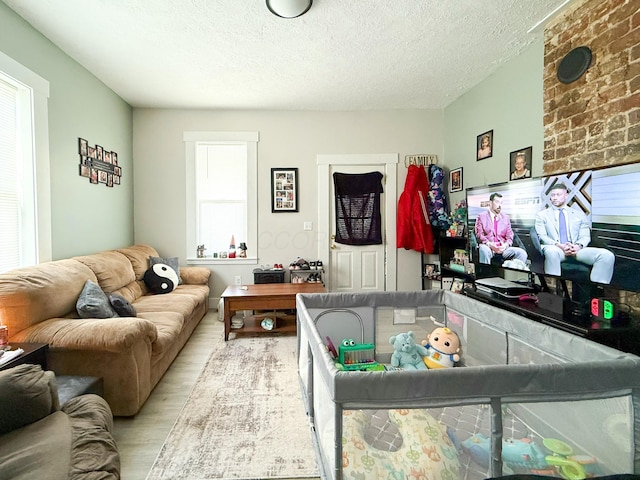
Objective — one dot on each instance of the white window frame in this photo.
(33, 98)
(250, 139)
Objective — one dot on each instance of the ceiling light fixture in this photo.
(289, 8)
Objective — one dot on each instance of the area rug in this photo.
(244, 418)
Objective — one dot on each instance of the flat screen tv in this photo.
(609, 198)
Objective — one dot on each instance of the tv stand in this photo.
(617, 334)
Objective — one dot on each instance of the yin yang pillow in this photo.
(161, 278)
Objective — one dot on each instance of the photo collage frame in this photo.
(284, 190)
(98, 165)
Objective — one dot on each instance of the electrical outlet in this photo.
(238, 279)
(308, 226)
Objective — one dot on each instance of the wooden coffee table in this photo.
(268, 296)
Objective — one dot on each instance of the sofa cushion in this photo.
(179, 303)
(139, 255)
(39, 450)
(112, 269)
(93, 302)
(121, 305)
(26, 396)
(168, 327)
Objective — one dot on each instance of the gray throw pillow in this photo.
(173, 262)
(93, 302)
(122, 306)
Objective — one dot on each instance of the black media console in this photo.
(620, 333)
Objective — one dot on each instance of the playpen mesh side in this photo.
(530, 364)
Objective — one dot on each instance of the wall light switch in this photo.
(308, 226)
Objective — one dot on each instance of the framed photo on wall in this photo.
(455, 180)
(457, 285)
(484, 145)
(83, 147)
(520, 163)
(284, 190)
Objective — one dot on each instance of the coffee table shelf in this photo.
(270, 296)
(253, 324)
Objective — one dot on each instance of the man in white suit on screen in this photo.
(565, 233)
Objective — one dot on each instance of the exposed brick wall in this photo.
(594, 121)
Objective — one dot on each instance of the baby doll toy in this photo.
(443, 346)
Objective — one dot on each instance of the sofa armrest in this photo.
(195, 275)
(90, 334)
(27, 394)
(93, 448)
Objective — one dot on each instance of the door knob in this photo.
(333, 246)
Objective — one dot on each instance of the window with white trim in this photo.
(26, 231)
(222, 191)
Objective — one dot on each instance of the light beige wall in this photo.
(287, 139)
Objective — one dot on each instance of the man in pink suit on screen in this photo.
(494, 233)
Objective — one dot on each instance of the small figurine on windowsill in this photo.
(243, 250)
(200, 249)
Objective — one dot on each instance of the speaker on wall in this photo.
(574, 64)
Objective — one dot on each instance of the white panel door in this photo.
(359, 267)
(356, 267)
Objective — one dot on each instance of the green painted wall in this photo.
(85, 218)
(510, 103)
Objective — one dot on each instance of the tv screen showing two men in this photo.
(585, 221)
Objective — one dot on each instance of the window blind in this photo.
(10, 191)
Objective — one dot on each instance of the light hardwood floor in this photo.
(140, 438)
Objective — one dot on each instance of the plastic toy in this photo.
(357, 356)
(443, 346)
(527, 456)
(332, 348)
(407, 353)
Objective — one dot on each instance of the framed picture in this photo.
(83, 147)
(430, 270)
(284, 190)
(484, 145)
(99, 153)
(520, 163)
(457, 285)
(455, 180)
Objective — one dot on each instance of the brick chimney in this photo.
(595, 120)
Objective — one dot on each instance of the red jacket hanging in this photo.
(413, 227)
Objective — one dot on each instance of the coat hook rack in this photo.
(418, 160)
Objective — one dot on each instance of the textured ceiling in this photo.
(341, 55)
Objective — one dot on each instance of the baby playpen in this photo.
(524, 398)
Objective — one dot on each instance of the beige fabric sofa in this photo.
(40, 439)
(131, 354)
